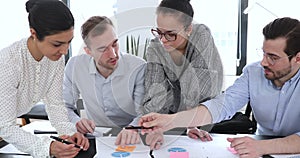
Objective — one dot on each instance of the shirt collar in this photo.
(29, 56)
(296, 76)
(92, 66)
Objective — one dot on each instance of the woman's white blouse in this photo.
(23, 83)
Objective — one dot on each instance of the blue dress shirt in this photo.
(277, 110)
(111, 101)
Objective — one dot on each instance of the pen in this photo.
(137, 127)
(44, 132)
(267, 156)
(64, 141)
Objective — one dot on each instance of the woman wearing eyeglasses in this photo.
(184, 67)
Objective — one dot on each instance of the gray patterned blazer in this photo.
(170, 88)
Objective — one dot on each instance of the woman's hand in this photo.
(128, 136)
(61, 150)
(155, 140)
(196, 133)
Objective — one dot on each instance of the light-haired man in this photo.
(109, 82)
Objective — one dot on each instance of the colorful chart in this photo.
(176, 149)
(120, 154)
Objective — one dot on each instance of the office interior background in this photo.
(236, 25)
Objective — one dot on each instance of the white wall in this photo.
(14, 23)
(83, 10)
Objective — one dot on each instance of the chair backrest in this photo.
(37, 112)
(248, 112)
(80, 107)
(239, 124)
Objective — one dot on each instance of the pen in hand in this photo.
(65, 142)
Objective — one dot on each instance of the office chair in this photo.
(37, 112)
(239, 124)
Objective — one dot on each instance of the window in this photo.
(130, 17)
(136, 17)
(142, 19)
(260, 13)
(222, 19)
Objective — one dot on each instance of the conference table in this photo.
(176, 138)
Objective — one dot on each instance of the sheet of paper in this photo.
(179, 155)
(42, 125)
(195, 148)
(218, 148)
(99, 131)
(10, 149)
(128, 148)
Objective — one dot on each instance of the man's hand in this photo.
(246, 147)
(196, 133)
(85, 126)
(128, 136)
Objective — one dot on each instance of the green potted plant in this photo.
(133, 45)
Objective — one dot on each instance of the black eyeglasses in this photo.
(170, 36)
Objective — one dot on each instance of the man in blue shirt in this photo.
(110, 83)
(273, 88)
